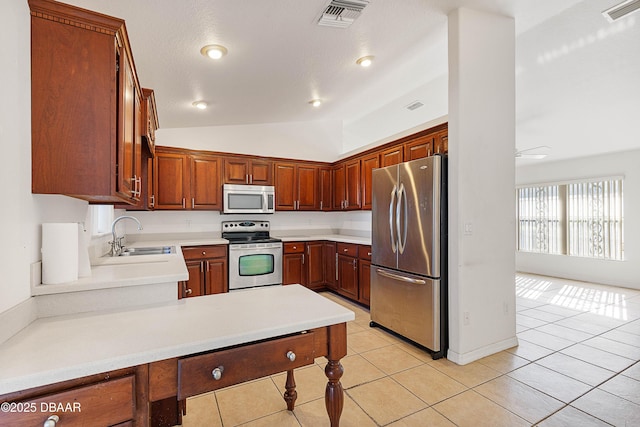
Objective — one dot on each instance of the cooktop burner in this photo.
(247, 232)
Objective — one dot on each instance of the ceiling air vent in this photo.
(414, 105)
(341, 13)
(621, 10)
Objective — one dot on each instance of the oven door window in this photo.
(256, 265)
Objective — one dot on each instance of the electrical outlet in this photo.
(465, 317)
(468, 228)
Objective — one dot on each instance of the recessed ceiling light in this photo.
(365, 61)
(315, 102)
(214, 51)
(200, 105)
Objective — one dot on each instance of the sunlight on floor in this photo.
(596, 299)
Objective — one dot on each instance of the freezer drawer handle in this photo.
(399, 277)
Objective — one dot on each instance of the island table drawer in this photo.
(101, 404)
(212, 371)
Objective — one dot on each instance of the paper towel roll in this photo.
(59, 253)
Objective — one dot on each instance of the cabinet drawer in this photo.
(195, 374)
(294, 247)
(199, 252)
(348, 249)
(365, 252)
(102, 404)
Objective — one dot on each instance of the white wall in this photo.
(319, 140)
(21, 213)
(619, 273)
(481, 189)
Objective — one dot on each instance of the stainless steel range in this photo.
(255, 258)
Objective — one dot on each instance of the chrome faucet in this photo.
(116, 243)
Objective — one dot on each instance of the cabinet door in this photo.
(352, 184)
(293, 269)
(364, 282)
(368, 164)
(307, 188)
(339, 192)
(236, 171)
(216, 276)
(330, 261)
(126, 141)
(194, 287)
(285, 186)
(260, 173)
(441, 143)
(348, 276)
(205, 183)
(325, 186)
(171, 180)
(315, 265)
(391, 156)
(419, 148)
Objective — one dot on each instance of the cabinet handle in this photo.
(184, 203)
(153, 200)
(193, 203)
(51, 421)
(303, 258)
(217, 372)
(291, 355)
(250, 178)
(188, 291)
(320, 204)
(139, 186)
(246, 179)
(354, 264)
(336, 266)
(369, 254)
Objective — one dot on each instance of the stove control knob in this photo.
(291, 355)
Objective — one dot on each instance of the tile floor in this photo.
(577, 364)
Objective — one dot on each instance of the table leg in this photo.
(334, 395)
(291, 394)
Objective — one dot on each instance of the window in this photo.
(582, 218)
(100, 218)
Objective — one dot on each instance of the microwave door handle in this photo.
(394, 246)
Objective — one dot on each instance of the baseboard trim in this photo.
(472, 356)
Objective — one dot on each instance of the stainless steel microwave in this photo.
(251, 199)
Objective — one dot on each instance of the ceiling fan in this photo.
(535, 153)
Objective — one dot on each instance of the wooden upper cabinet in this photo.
(149, 118)
(352, 184)
(419, 148)
(339, 187)
(369, 163)
(184, 182)
(171, 180)
(296, 187)
(82, 123)
(205, 188)
(441, 143)
(325, 186)
(245, 171)
(391, 156)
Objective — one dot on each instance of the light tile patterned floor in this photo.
(577, 364)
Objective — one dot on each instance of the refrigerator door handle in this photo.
(394, 246)
(402, 200)
(399, 277)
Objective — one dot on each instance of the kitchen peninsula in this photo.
(117, 364)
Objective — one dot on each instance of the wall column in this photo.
(481, 184)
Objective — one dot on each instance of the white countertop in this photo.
(60, 348)
(343, 238)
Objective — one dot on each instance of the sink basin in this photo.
(152, 250)
(142, 255)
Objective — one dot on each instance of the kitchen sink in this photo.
(152, 250)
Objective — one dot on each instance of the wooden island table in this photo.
(133, 367)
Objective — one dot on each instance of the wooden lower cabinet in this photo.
(303, 263)
(330, 263)
(208, 273)
(347, 270)
(364, 274)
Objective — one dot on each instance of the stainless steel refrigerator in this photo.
(409, 252)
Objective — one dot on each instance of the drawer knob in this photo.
(52, 421)
(346, 250)
(217, 373)
(204, 252)
(295, 247)
(369, 253)
(291, 355)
